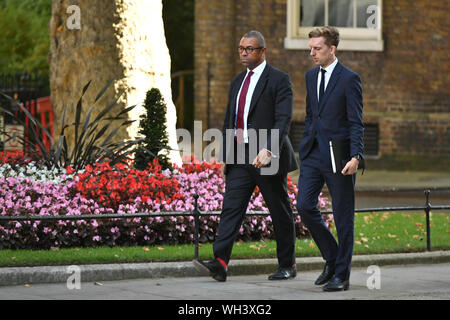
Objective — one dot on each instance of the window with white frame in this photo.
(359, 22)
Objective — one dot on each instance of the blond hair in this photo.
(331, 35)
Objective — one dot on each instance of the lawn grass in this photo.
(374, 233)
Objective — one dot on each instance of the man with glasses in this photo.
(260, 101)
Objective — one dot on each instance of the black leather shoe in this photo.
(284, 274)
(337, 284)
(213, 268)
(327, 274)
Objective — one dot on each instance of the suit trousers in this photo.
(314, 173)
(241, 180)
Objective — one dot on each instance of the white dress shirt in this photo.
(329, 71)
(251, 88)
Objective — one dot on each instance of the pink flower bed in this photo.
(24, 196)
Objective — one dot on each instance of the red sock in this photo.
(223, 263)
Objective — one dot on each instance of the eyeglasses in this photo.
(248, 50)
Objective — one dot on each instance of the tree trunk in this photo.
(101, 40)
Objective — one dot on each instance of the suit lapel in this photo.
(330, 86)
(259, 87)
(313, 89)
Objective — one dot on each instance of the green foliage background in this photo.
(25, 43)
(25, 36)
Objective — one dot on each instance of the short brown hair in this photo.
(331, 35)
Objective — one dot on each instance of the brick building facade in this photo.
(405, 84)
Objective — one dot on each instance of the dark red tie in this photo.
(241, 107)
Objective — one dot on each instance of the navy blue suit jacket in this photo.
(339, 114)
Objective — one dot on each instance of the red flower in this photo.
(69, 170)
(122, 184)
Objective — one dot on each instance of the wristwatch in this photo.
(357, 157)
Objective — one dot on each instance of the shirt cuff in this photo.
(272, 155)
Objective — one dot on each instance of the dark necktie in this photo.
(322, 84)
(241, 107)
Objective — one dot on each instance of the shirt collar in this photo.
(259, 69)
(331, 67)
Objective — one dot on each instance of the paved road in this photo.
(431, 281)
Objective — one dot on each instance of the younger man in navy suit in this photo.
(333, 112)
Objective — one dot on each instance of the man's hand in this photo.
(262, 159)
(351, 167)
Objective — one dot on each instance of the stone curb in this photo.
(122, 271)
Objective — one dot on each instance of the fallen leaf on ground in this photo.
(392, 235)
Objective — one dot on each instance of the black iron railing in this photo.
(25, 88)
(196, 213)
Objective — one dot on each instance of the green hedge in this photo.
(25, 36)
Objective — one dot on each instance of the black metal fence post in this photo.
(196, 224)
(427, 213)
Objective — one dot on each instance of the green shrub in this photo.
(154, 132)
